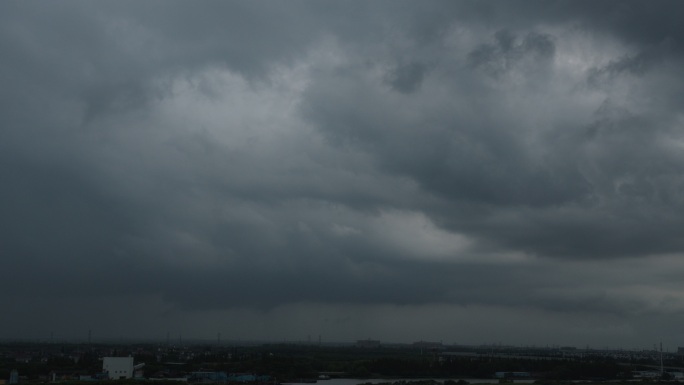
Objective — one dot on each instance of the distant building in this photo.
(368, 343)
(118, 368)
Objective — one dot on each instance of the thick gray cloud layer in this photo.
(442, 170)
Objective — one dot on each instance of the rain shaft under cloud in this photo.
(443, 170)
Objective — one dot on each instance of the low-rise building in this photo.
(118, 368)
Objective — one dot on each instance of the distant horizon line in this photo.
(329, 343)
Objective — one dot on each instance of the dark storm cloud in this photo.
(485, 157)
(293, 156)
(499, 57)
(406, 78)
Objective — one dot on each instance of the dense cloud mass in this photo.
(469, 172)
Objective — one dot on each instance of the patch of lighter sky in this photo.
(622, 182)
(259, 113)
(676, 142)
(579, 50)
(578, 53)
(343, 231)
(413, 235)
(229, 107)
(211, 117)
(462, 38)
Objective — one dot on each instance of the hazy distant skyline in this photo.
(465, 171)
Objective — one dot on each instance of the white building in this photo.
(118, 368)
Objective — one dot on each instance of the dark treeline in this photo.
(486, 367)
(292, 362)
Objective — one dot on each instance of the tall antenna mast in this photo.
(662, 371)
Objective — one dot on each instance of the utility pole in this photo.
(662, 371)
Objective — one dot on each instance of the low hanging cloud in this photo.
(226, 165)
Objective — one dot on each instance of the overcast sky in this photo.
(462, 171)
